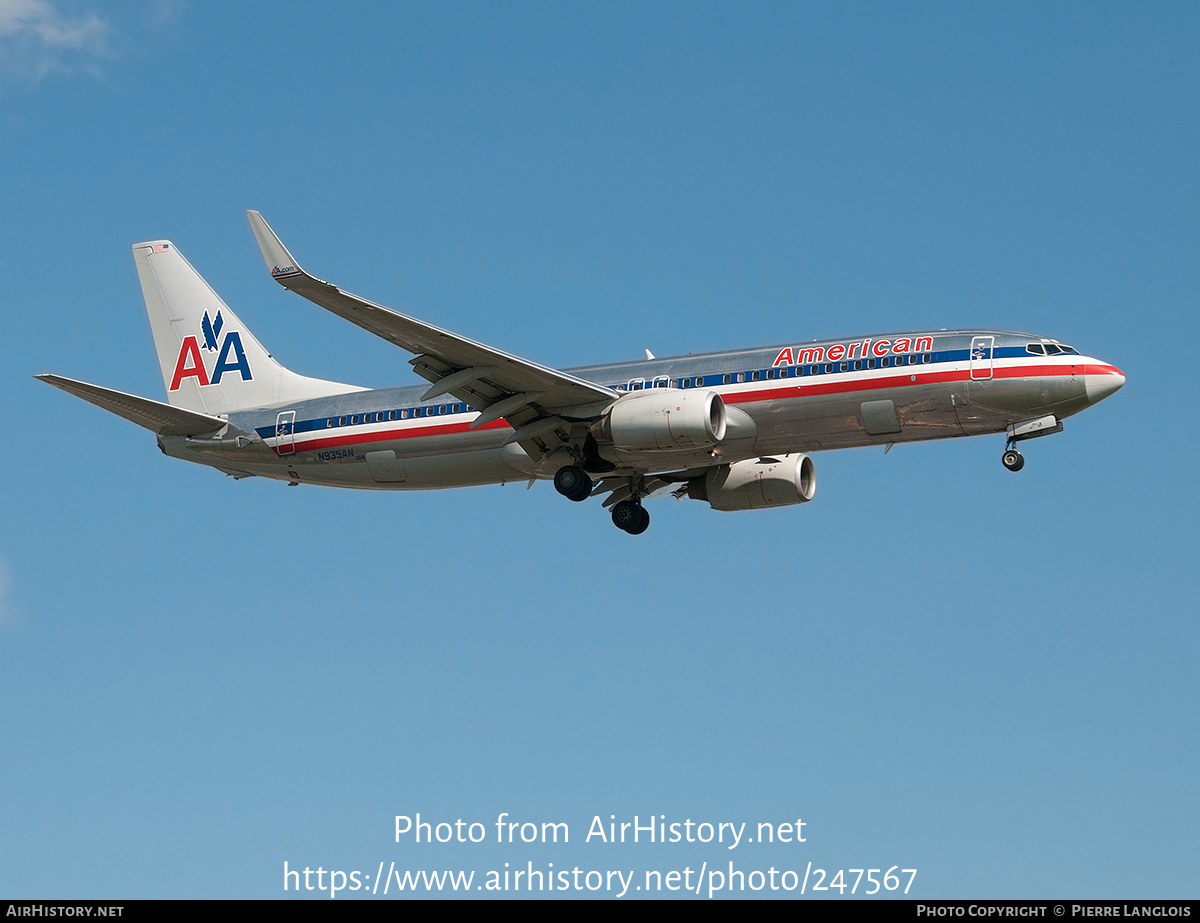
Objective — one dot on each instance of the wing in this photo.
(155, 416)
(536, 401)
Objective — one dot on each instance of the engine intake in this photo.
(756, 485)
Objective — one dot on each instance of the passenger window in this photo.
(927, 357)
(870, 363)
(845, 366)
(725, 379)
(741, 376)
(754, 376)
(699, 382)
(330, 423)
(858, 365)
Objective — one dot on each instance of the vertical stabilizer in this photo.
(210, 361)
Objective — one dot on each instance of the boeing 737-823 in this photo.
(733, 429)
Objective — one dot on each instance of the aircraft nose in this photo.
(1101, 381)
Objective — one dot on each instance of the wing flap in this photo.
(159, 418)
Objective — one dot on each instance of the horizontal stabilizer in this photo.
(155, 416)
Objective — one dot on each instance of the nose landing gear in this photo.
(1013, 460)
(1029, 429)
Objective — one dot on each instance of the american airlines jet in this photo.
(732, 429)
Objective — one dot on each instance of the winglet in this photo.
(282, 265)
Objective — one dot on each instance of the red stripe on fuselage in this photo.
(390, 435)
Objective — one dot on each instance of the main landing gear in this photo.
(627, 515)
(630, 516)
(573, 483)
(1013, 460)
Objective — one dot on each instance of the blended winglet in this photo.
(280, 263)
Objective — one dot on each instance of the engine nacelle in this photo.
(663, 420)
(756, 485)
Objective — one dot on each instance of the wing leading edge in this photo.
(537, 401)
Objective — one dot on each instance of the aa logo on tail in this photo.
(231, 357)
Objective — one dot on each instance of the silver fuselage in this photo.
(782, 399)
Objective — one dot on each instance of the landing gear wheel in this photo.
(1013, 460)
(630, 517)
(573, 483)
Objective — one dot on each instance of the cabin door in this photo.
(285, 433)
(981, 357)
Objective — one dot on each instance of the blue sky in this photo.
(937, 664)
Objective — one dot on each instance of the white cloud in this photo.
(37, 38)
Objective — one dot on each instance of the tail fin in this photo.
(211, 362)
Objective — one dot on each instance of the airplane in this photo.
(733, 429)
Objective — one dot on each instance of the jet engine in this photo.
(663, 420)
(755, 485)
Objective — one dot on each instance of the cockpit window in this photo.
(1036, 349)
(1070, 349)
(1052, 349)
